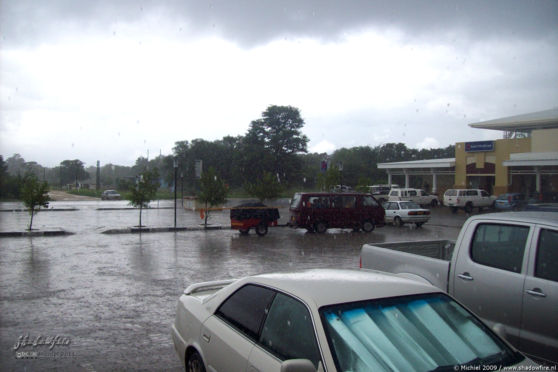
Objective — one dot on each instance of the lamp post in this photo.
(175, 166)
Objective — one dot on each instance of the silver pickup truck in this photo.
(503, 266)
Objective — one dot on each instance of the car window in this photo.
(393, 193)
(412, 193)
(499, 246)
(369, 201)
(410, 206)
(246, 308)
(546, 265)
(472, 193)
(393, 206)
(288, 331)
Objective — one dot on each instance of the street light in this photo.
(175, 166)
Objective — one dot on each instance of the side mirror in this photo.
(297, 365)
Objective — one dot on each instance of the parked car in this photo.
(503, 266)
(320, 211)
(110, 195)
(341, 188)
(510, 201)
(401, 212)
(253, 215)
(467, 199)
(381, 192)
(331, 320)
(418, 196)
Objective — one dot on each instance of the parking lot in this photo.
(92, 301)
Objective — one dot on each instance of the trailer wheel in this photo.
(261, 229)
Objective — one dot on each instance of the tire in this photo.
(419, 224)
(434, 203)
(397, 221)
(194, 363)
(453, 210)
(261, 229)
(480, 209)
(468, 207)
(320, 227)
(368, 226)
(244, 231)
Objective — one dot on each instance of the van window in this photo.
(369, 201)
(472, 193)
(546, 265)
(318, 202)
(296, 201)
(411, 193)
(499, 246)
(349, 201)
(451, 192)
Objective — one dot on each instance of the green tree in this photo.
(144, 190)
(34, 194)
(278, 135)
(330, 178)
(266, 187)
(213, 191)
(72, 171)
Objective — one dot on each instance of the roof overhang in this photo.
(532, 159)
(419, 164)
(536, 120)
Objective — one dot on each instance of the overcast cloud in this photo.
(114, 80)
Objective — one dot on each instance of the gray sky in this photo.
(112, 80)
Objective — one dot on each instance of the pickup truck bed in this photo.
(427, 259)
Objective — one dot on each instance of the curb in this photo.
(41, 210)
(12, 234)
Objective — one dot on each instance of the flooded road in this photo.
(95, 302)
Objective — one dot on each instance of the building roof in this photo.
(536, 120)
(430, 163)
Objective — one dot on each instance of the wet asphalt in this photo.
(98, 302)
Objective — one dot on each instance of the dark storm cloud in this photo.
(251, 22)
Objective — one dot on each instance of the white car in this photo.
(468, 199)
(110, 195)
(418, 196)
(331, 320)
(401, 212)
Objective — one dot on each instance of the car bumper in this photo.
(179, 344)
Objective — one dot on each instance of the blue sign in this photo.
(479, 146)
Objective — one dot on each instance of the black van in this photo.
(320, 211)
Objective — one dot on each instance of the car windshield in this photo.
(409, 205)
(410, 333)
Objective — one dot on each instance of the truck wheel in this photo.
(368, 226)
(261, 229)
(320, 227)
(434, 203)
(397, 221)
(244, 231)
(468, 207)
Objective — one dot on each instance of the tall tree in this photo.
(144, 190)
(35, 195)
(72, 171)
(279, 134)
(213, 191)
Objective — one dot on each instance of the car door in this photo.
(227, 338)
(288, 333)
(539, 326)
(392, 209)
(489, 274)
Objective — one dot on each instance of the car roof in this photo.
(334, 286)
(539, 217)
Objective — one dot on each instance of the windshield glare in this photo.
(296, 201)
(411, 333)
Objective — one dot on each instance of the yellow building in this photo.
(525, 160)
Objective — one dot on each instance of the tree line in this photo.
(272, 152)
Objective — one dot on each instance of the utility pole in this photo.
(175, 165)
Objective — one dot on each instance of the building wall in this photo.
(544, 140)
(488, 164)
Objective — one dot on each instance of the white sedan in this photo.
(331, 320)
(401, 212)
